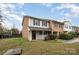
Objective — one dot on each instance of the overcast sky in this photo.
(55, 11)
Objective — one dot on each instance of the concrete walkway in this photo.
(75, 40)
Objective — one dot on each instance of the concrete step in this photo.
(16, 51)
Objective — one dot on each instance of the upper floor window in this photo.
(66, 26)
(44, 23)
(36, 22)
(69, 27)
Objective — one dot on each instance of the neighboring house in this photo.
(36, 28)
(78, 30)
(74, 28)
(56, 27)
(67, 26)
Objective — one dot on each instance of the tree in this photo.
(1, 20)
(14, 30)
(2, 17)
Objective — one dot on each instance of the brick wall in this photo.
(55, 29)
(25, 31)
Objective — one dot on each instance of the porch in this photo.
(38, 33)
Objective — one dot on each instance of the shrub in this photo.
(70, 36)
(53, 36)
(77, 34)
(73, 33)
(66, 36)
(50, 37)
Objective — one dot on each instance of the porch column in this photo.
(30, 35)
(36, 35)
(42, 35)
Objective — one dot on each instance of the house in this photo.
(56, 27)
(67, 26)
(77, 29)
(38, 28)
(74, 28)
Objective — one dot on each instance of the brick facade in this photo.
(25, 31)
(58, 28)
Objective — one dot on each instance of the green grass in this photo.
(50, 47)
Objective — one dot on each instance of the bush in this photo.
(66, 36)
(70, 36)
(50, 37)
(77, 34)
(73, 33)
(53, 36)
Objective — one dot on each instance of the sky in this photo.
(55, 11)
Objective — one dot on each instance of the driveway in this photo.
(75, 40)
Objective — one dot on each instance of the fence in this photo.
(9, 35)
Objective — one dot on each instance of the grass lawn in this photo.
(51, 47)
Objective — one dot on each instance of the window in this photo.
(45, 33)
(66, 26)
(69, 27)
(40, 32)
(36, 22)
(44, 23)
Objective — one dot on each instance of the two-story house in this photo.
(37, 28)
(56, 27)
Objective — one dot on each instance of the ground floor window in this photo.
(40, 32)
(47, 32)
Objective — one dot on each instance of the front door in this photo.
(33, 35)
